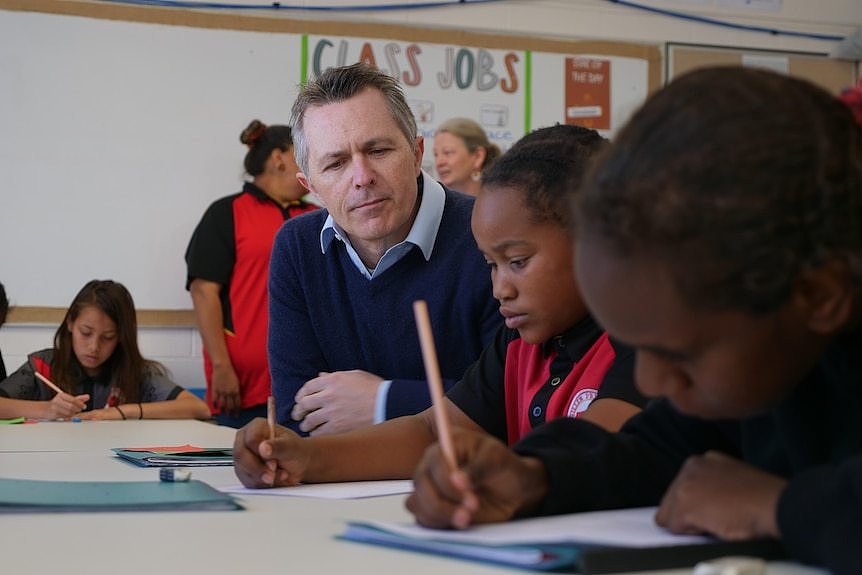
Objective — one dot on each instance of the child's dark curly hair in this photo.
(739, 179)
(547, 166)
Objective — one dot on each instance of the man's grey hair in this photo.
(339, 84)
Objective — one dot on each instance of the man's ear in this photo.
(303, 180)
(827, 296)
(420, 150)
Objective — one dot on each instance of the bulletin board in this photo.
(119, 124)
(832, 74)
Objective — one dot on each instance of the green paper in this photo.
(13, 420)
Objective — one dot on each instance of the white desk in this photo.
(273, 535)
(98, 436)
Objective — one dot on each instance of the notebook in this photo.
(32, 496)
(176, 456)
(591, 543)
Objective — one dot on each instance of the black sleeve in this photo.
(590, 468)
(22, 384)
(820, 516)
(481, 393)
(211, 252)
(619, 381)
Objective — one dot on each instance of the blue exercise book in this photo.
(539, 557)
(589, 543)
(32, 496)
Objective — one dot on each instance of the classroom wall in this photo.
(178, 346)
(146, 131)
(607, 20)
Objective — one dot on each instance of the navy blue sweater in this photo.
(324, 315)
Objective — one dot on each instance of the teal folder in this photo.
(31, 496)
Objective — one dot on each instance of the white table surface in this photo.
(60, 436)
(273, 534)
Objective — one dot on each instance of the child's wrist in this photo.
(534, 479)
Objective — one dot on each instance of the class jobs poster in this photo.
(509, 92)
(440, 82)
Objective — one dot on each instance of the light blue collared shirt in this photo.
(423, 234)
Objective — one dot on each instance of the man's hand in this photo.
(717, 494)
(336, 402)
(491, 484)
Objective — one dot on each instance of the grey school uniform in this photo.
(23, 384)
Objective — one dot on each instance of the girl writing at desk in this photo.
(721, 237)
(98, 368)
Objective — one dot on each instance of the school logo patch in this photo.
(581, 402)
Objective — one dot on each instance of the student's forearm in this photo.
(185, 406)
(62, 406)
(11, 408)
(389, 450)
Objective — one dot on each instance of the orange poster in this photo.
(588, 93)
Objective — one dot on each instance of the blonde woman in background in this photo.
(461, 152)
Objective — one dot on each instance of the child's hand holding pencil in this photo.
(62, 405)
(268, 455)
(469, 477)
(492, 484)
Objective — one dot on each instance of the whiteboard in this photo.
(114, 137)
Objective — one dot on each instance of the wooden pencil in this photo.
(270, 420)
(48, 382)
(435, 381)
(270, 416)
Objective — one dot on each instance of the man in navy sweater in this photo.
(342, 343)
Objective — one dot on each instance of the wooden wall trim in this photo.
(146, 317)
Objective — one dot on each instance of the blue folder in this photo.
(587, 559)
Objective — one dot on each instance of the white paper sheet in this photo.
(622, 528)
(348, 490)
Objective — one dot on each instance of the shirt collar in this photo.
(423, 233)
(255, 190)
(575, 341)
